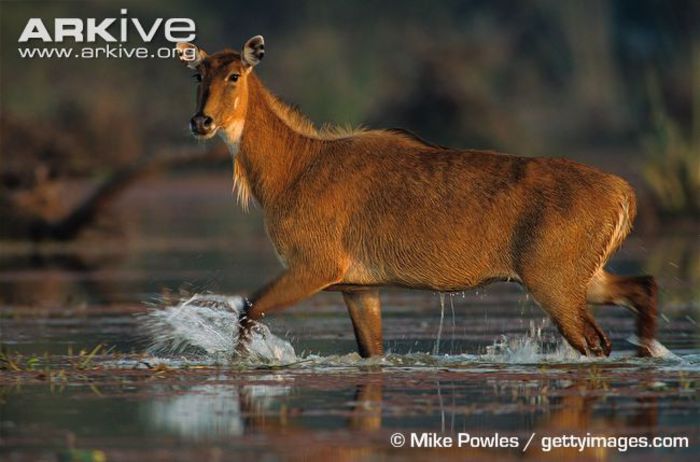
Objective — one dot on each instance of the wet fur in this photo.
(360, 209)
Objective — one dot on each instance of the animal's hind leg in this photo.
(569, 311)
(365, 311)
(639, 294)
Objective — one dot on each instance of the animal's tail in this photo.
(626, 213)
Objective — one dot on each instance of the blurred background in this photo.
(101, 182)
(107, 204)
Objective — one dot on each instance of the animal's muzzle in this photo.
(202, 125)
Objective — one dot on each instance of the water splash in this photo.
(657, 349)
(207, 325)
(436, 348)
(454, 324)
(533, 348)
(204, 329)
(530, 348)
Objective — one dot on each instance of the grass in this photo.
(45, 368)
(89, 366)
(672, 169)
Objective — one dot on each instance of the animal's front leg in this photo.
(292, 286)
(365, 311)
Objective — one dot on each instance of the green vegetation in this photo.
(672, 169)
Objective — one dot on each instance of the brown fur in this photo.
(639, 294)
(355, 210)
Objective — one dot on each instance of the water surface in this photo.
(499, 368)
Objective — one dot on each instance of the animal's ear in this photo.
(190, 54)
(253, 51)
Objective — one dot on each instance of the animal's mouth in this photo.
(204, 134)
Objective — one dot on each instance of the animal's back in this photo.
(407, 213)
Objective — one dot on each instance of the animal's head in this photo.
(222, 87)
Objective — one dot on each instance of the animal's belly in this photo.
(452, 274)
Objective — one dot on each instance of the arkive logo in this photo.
(110, 30)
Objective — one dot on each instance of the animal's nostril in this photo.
(200, 123)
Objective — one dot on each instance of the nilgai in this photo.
(355, 211)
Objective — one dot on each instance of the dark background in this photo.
(612, 83)
(106, 198)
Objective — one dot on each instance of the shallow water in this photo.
(500, 367)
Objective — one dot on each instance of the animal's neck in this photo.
(275, 146)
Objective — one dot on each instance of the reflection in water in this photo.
(367, 411)
(212, 411)
(348, 413)
(556, 407)
(205, 411)
(575, 415)
(48, 281)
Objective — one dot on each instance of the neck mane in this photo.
(276, 143)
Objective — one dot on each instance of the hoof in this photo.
(644, 349)
(597, 343)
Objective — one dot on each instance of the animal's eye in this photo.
(233, 77)
(197, 77)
